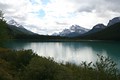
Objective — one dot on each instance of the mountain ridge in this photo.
(98, 32)
(73, 31)
(109, 33)
(16, 28)
(113, 21)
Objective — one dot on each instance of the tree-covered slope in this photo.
(110, 33)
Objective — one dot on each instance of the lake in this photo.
(73, 52)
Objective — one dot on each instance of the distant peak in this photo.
(73, 31)
(114, 21)
(13, 22)
(99, 26)
(116, 18)
(75, 27)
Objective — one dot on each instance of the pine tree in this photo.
(1, 15)
(3, 28)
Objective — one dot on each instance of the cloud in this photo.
(4, 6)
(100, 7)
(47, 16)
(61, 23)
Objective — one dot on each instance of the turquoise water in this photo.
(73, 52)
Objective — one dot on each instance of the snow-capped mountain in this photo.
(13, 22)
(55, 34)
(17, 28)
(77, 28)
(113, 21)
(73, 31)
(65, 32)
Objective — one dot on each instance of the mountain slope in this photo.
(17, 29)
(13, 22)
(110, 33)
(73, 31)
(114, 21)
(95, 29)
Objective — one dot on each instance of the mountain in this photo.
(99, 26)
(95, 29)
(73, 31)
(98, 32)
(13, 22)
(78, 29)
(17, 29)
(55, 34)
(109, 33)
(113, 21)
(65, 32)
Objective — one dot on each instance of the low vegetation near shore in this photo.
(26, 65)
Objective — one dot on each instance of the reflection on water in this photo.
(74, 52)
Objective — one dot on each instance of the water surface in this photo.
(73, 52)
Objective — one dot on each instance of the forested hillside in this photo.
(110, 33)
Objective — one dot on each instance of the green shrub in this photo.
(105, 68)
(26, 65)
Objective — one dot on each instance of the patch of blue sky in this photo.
(45, 2)
(41, 13)
(73, 14)
(33, 2)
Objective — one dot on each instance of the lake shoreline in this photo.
(61, 40)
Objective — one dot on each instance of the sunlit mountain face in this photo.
(73, 31)
(49, 16)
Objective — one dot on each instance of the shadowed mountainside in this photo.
(109, 33)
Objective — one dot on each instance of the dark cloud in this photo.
(86, 9)
(61, 23)
(12, 11)
(4, 6)
(102, 8)
(113, 1)
(7, 8)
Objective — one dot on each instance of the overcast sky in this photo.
(48, 16)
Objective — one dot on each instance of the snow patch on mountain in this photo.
(13, 22)
(74, 30)
(13, 25)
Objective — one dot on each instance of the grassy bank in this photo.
(26, 65)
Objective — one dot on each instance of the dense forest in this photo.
(3, 28)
